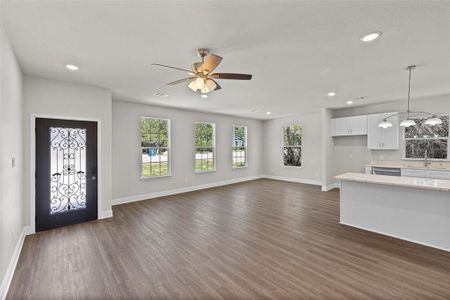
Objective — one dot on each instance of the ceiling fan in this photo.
(201, 77)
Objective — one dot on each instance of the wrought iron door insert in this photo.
(66, 172)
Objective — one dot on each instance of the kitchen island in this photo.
(409, 208)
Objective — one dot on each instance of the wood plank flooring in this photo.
(262, 239)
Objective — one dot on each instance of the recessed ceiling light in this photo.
(370, 36)
(332, 94)
(72, 67)
(268, 113)
(255, 110)
(204, 96)
(349, 102)
(160, 94)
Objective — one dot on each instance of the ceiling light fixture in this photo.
(268, 113)
(332, 94)
(204, 96)
(349, 102)
(255, 110)
(370, 36)
(434, 120)
(408, 121)
(72, 67)
(385, 124)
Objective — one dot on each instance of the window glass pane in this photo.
(239, 157)
(239, 136)
(164, 161)
(155, 147)
(437, 149)
(204, 159)
(293, 135)
(292, 156)
(425, 131)
(204, 135)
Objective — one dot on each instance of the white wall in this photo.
(311, 170)
(54, 98)
(11, 137)
(351, 153)
(126, 150)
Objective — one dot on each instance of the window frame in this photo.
(293, 146)
(214, 148)
(434, 138)
(169, 148)
(245, 147)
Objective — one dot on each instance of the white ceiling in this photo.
(297, 51)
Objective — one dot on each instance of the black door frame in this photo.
(32, 183)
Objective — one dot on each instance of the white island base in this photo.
(412, 209)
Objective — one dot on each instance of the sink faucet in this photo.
(427, 162)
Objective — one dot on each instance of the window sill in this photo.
(208, 171)
(429, 159)
(293, 167)
(143, 178)
(237, 168)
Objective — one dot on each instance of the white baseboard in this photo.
(395, 236)
(7, 278)
(134, 198)
(326, 188)
(105, 214)
(291, 179)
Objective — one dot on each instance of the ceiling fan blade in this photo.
(211, 62)
(197, 67)
(232, 76)
(218, 87)
(180, 81)
(175, 68)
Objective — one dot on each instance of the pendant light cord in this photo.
(409, 89)
(409, 85)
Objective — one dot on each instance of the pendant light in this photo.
(408, 121)
(385, 124)
(434, 120)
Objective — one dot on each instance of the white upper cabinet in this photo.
(380, 138)
(356, 125)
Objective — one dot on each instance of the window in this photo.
(239, 147)
(155, 147)
(205, 142)
(432, 139)
(292, 145)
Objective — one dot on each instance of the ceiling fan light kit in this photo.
(201, 77)
(408, 121)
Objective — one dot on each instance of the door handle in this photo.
(93, 178)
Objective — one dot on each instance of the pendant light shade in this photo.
(385, 124)
(433, 121)
(407, 123)
(193, 86)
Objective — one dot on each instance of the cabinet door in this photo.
(413, 173)
(380, 138)
(437, 174)
(375, 133)
(391, 135)
(342, 126)
(358, 125)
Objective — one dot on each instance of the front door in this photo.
(66, 172)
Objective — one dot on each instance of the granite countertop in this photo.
(414, 182)
(434, 165)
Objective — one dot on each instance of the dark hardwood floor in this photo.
(259, 239)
